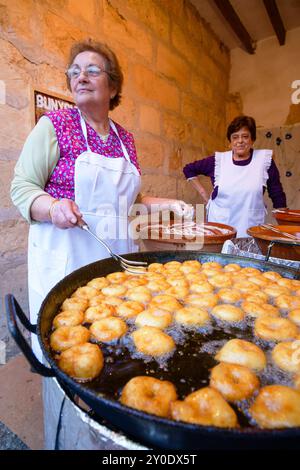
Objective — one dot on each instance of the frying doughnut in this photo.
(288, 283)
(211, 265)
(201, 288)
(272, 275)
(179, 292)
(177, 281)
(254, 309)
(139, 294)
(75, 303)
(271, 328)
(156, 267)
(129, 309)
(244, 353)
(112, 300)
(117, 277)
(194, 278)
(288, 302)
(114, 290)
(98, 283)
(108, 329)
(202, 301)
(294, 316)
(103, 310)
(227, 312)
(205, 406)
(152, 341)
(245, 286)
(156, 317)
(67, 336)
(68, 318)
(193, 263)
(157, 285)
(276, 291)
(167, 302)
(260, 281)
(229, 295)
(257, 296)
(149, 394)
(172, 265)
(287, 356)
(232, 267)
(85, 292)
(83, 362)
(98, 300)
(221, 280)
(233, 381)
(135, 281)
(276, 406)
(192, 317)
(251, 272)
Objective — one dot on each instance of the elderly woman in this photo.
(239, 177)
(78, 163)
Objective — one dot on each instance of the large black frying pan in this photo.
(186, 369)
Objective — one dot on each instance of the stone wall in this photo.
(176, 83)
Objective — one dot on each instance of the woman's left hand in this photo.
(65, 214)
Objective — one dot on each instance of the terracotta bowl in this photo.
(167, 238)
(287, 217)
(264, 236)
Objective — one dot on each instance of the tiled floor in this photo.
(21, 415)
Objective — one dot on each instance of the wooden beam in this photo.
(276, 20)
(236, 25)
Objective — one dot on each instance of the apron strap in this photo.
(126, 155)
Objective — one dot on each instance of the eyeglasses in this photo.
(91, 71)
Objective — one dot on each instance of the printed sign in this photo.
(47, 101)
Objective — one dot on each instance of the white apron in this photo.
(239, 201)
(100, 184)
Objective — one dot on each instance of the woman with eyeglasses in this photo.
(239, 178)
(79, 163)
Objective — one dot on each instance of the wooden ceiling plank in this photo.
(235, 23)
(276, 20)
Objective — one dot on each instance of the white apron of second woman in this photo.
(53, 253)
(239, 202)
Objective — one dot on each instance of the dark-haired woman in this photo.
(239, 177)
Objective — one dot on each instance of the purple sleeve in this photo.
(204, 167)
(274, 187)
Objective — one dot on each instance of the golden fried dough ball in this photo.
(194, 278)
(139, 294)
(172, 265)
(98, 300)
(271, 328)
(257, 296)
(129, 309)
(294, 316)
(190, 267)
(112, 300)
(276, 406)
(167, 302)
(67, 336)
(221, 280)
(149, 394)
(152, 341)
(251, 271)
(287, 356)
(288, 302)
(276, 291)
(98, 283)
(260, 280)
(192, 317)
(135, 281)
(178, 292)
(211, 265)
(233, 381)
(117, 277)
(201, 287)
(193, 263)
(108, 329)
(114, 290)
(156, 317)
(272, 275)
(232, 267)
(83, 362)
(229, 295)
(244, 353)
(245, 286)
(201, 301)
(85, 292)
(157, 285)
(103, 310)
(254, 309)
(288, 283)
(227, 312)
(205, 406)
(75, 303)
(68, 318)
(156, 267)
(177, 281)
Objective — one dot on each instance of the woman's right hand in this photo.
(65, 213)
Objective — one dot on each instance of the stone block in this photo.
(150, 119)
(172, 66)
(6, 175)
(176, 128)
(126, 32)
(150, 86)
(175, 159)
(13, 236)
(186, 45)
(193, 108)
(126, 114)
(159, 186)
(150, 151)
